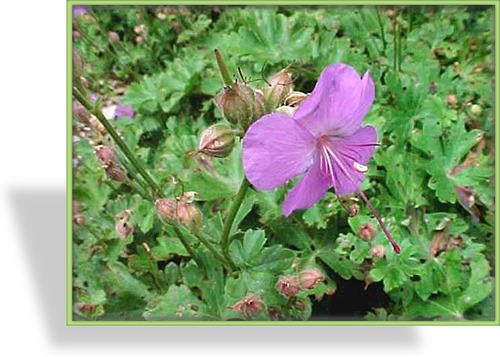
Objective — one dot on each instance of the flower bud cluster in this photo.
(290, 285)
(180, 210)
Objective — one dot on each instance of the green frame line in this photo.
(69, 178)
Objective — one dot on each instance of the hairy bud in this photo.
(217, 141)
(288, 286)
(115, 171)
(377, 251)
(113, 36)
(310, 278)
(106, 154)
(124, 228)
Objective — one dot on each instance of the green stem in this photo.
(96, 110)
(395, 46)
(155, 273)
(215, 252)
(186, 245)
(381, 28)
(400, 48)
(226, 77)
(228, 224)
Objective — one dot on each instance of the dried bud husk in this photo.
(217, 141)
(106, 154)
(310, 278)
(250, 305)
(179, 211)
(288, 286)
(295, 98)
(277, 89)
(115, 172)
(240, 104)
(367, 232)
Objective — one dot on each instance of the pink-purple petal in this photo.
(307, 191)
(338, 103)
(275, 149)
(359, 148)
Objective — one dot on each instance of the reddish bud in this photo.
(354, 210)
(288, 286)
(139, 39)
(310, 278)
(451, 99)
(77, 65)
(240, 104)
(217, 140)
(367, 232)
(115, 172)
(250, 305)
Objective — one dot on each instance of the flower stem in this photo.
(226, 77)
(96, 110)
(395, 245)
(395, 45)
(186, 245)
(215, 252)
(228, 224)
(381, 28)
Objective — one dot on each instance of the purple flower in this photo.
(324, 141)
(79, 10)
(124, 110)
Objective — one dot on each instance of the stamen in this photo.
(360, 168)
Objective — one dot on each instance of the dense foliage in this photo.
(430, 179)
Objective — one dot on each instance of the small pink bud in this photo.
(288, 286)
(353, 210)
(377, 251)
(124, 228)
(179, 211)
(217, 141)
(77, 65)
(250, 305)
(80, 113)
(367, 232)
(451, 99)
(139, 39)
(113, 36)
(310, 278)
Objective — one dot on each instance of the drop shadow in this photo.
(41, 217)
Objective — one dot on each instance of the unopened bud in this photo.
(113, 36)
(106, 154)
(240, 104)
(278, 88)
(179, 211)
(81, 113)
(451, 99)
(367, 232)
(354, 210)
(476, 109)
(124, 228)
(288, 286)
(139, 39)
(377, 251)
(217, 140)
(310, 278)
(250, 305)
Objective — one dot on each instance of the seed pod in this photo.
(217, 141)
(310, 278)
(179, 211)
(115, 172)
(240, 104)
(278, 88)
(288, 286)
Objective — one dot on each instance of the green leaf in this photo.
(179, 303)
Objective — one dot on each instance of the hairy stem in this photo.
(228, 224)
(96, 110)
(186, 245)
(382, 34)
